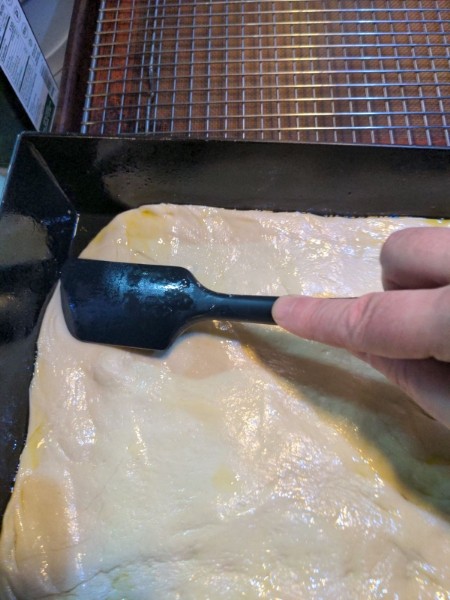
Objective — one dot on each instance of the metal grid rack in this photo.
(357, 71)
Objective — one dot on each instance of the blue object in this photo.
(2, 185)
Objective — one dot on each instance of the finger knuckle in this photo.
(440, 334)
(400, 374)
(360, 322)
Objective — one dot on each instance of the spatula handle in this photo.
(251, 309)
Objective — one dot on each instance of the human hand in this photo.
(404, 332)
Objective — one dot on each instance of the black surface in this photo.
(105, 175)
(100, 177)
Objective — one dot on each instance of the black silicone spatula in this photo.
(145, 306)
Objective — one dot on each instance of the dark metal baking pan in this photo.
(62, 189)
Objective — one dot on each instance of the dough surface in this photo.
(242, 462)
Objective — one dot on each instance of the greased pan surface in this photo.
(62, 189)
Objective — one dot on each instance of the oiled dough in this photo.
(243, 462)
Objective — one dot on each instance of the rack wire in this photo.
(347, 71)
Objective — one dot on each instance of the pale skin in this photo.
(404, 331)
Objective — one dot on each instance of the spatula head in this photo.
(122, 304)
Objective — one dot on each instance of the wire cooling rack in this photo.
(361, 71)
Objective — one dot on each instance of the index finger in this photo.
(398, 324)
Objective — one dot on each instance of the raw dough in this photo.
(243, 462)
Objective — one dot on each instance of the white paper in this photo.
(25, 66)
